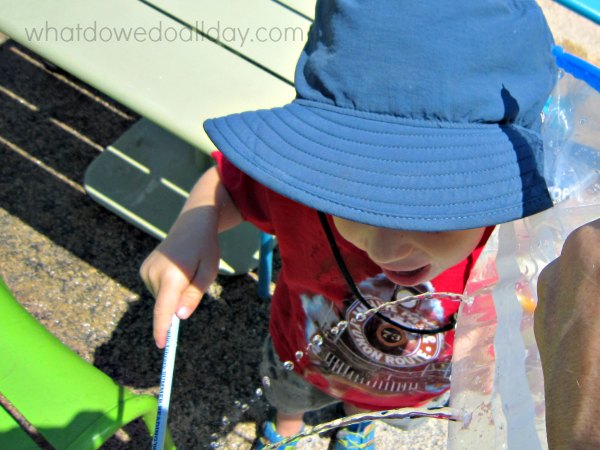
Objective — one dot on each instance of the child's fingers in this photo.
(192, 295)
(190, 299)
(167, 300)
(151, 283)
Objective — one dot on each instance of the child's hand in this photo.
(180, 270)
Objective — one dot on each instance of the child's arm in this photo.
(181, 268)
(567, 330)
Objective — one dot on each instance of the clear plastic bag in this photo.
(497, 379)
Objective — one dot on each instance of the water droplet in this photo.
(299, 354)
(317, 340)
(288, 365)
(225, 420)
(360, 317)
(266, 381)
(258, 392)
(245, 407)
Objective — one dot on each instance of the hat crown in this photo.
(472, 61)
(410, 114)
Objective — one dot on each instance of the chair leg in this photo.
(265, 265)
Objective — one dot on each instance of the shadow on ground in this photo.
(50, 132)
(51, 128)
(216, 365)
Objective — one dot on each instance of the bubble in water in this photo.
(315, 344)
(288, 365)
(258, 392)
(360, 317)
(245, 407)
(225, 420)
(317, 340)
(299, 354)
(266, 381)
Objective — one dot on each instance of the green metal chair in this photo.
(70, 403)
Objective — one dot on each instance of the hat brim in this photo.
(387, 171)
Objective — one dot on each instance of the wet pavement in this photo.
(74, 265)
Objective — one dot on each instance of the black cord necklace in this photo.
(344, 269)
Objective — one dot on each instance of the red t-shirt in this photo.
(359, 365)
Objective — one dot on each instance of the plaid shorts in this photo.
(287, 391)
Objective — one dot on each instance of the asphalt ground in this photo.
(74, 265)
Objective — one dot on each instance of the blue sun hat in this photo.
(416, 115)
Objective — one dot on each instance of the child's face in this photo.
(410, 257)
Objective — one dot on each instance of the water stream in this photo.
(402, 413)
(334, 333)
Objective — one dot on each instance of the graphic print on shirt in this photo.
(369, 354)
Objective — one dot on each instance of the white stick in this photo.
(166, 380)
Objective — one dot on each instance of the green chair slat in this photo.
(69, 401)
(12, 435)
(261, 30)
(145, 177)
(304, 7)
(175, 84)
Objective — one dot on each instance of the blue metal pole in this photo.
(587, 8)
(265, 265)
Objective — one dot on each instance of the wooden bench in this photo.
(176, 63)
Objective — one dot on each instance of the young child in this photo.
(414, 131)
